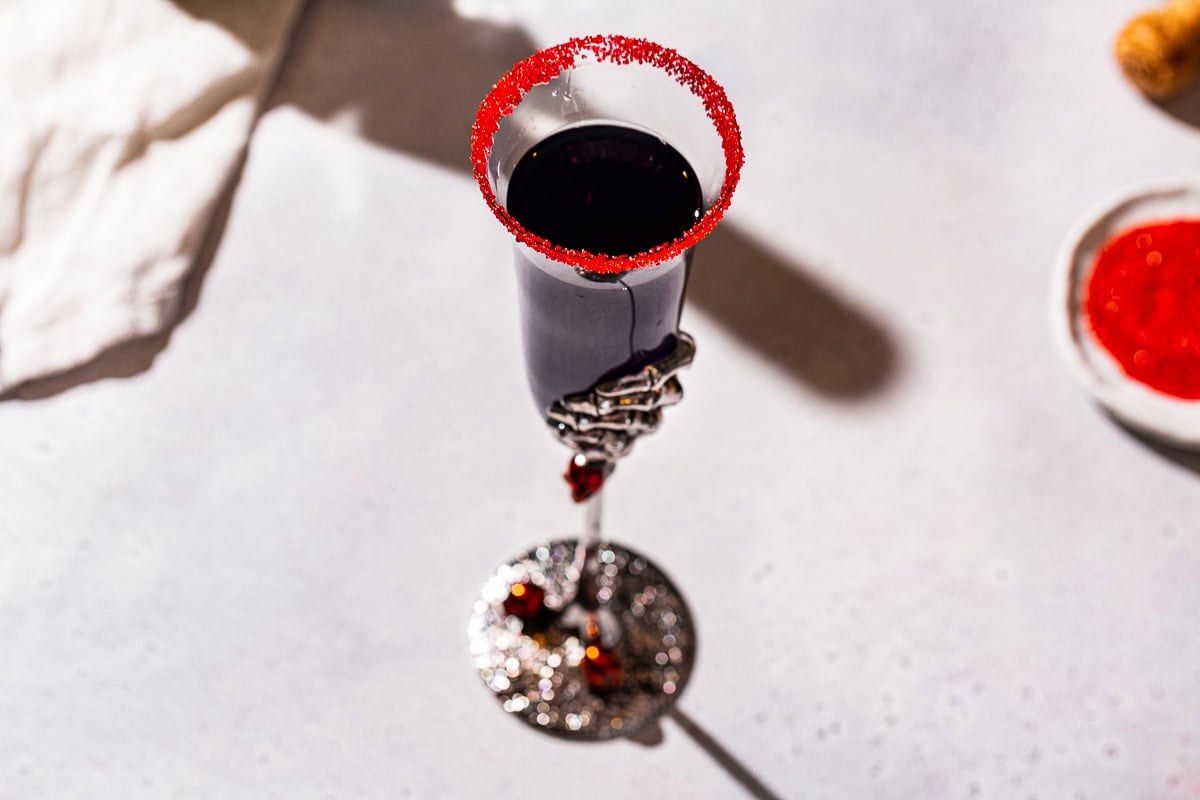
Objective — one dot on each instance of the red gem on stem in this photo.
(524, 600)
(585, 480)
(602, 668)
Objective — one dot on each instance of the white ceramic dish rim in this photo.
(1161, 416)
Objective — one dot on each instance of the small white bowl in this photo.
(1169, 419)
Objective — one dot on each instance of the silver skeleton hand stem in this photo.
(603, 423)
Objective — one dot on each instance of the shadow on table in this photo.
(1186, 459)
(1186, 106)
(651, 735)
(725, 759)
(804, 328)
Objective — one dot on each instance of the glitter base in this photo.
(533, 667)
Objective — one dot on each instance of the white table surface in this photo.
(923, 564)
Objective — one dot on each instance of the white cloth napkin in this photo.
(120, 121)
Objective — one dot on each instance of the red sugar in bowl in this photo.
(1143, 304)
(1126, 310)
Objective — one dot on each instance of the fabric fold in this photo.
(120, 124)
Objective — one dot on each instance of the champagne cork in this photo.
(1159, 51)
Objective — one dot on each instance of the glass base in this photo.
(540, 660)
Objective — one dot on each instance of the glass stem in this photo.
(601, 625)
(593, 520)
(586, 560)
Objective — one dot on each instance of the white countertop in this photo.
(923, 564)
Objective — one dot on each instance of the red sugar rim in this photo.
(545, 65)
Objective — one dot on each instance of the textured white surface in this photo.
(923, 564)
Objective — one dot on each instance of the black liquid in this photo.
(605, 189)
(613, 191)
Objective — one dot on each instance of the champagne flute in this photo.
(608, 159)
